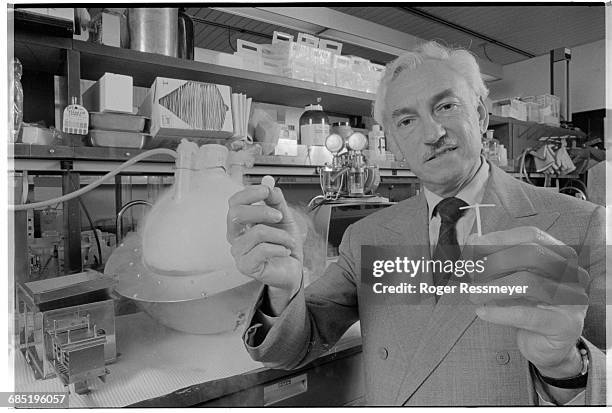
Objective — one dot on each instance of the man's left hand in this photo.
(546, 333)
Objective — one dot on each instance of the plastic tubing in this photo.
(96, 183)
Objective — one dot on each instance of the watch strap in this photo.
(575, 382)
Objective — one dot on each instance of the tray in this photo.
(123, 122)
(116, 139)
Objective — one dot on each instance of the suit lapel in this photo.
(513, 208)
(409, 227)
(410, 221)
(454, 313)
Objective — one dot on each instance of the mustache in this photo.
(441, 145)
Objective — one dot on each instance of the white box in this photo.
(205, 55)
(230, 60)
(107, 29)
(216, 123)
(111, 93)
(286, 147)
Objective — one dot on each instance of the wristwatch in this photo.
(576, 382)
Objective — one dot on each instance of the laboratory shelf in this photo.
(145, 67)
(48, 54)
(535, 128)
(87, 159)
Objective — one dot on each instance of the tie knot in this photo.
(449, 210)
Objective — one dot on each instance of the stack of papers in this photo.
(241, 110)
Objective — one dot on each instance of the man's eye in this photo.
(447, 107)
(405, 122)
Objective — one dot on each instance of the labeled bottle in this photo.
(314, 126)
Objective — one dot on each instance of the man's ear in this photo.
(483, 116)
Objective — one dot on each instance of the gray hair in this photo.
(459, 60)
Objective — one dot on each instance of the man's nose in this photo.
(432, 130)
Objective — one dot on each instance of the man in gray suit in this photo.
(454, 349)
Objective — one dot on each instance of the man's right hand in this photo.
(266, 242)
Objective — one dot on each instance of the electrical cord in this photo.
(91, 224)
(96, 183)
(229, 39)
(484, 49)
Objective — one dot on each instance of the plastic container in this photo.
(324, 72)
(117, 139)
(314, 126)
(343, 72)
(301, 62)
(116, 122)
(250, 53)
(510, 108)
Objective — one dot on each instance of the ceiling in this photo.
(211, 36)
(534, 30)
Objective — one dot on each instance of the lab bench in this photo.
(161, 367)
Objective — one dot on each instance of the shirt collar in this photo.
(472, 193)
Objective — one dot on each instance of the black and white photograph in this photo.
(307, 204)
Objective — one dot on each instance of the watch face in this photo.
(357, 141)
(334, 143)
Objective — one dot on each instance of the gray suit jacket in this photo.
(436, 355)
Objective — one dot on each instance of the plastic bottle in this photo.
(376, 141)
(17, 107)
(314, 126)
(503, 156)
(494, 152)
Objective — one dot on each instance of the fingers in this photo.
(536, 290)
(254, 214)
(524, 257)
(249, 195)
(253, 263)
(543, 320)
(500, 240)
(242, 213)
(261, 234)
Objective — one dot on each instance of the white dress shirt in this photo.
(472, 194)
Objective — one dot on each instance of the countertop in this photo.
(155, 362)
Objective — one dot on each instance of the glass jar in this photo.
(314, 126)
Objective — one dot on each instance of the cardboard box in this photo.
(111, 93)
(209, 117)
